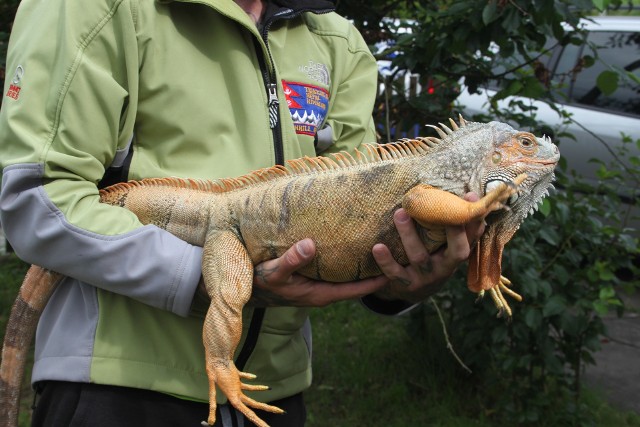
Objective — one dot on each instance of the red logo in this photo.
(14, 91)
(14, 87)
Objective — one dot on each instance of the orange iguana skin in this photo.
(344, 203)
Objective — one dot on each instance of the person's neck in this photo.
(253, 8)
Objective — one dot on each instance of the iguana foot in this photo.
(498, 192)
(498, 298)
(225, 375)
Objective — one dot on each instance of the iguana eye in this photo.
(527, 142)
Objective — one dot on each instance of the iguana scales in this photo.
(243, 221)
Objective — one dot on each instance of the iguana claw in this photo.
(498, 298)
(225, 375)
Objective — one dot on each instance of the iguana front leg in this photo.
(431, 206)
(228, 276)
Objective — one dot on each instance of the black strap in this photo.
(116, 174)
(252, 337)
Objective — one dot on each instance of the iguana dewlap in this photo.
(344, 203)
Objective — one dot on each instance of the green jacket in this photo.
(142, 88)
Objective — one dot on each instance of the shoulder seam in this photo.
(353, 48)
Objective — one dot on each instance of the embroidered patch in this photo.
(308, 105)
(14, 86)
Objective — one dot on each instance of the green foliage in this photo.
(570, 267)
(577, 254)
(443, 42)
(570, 262)
(373, 370)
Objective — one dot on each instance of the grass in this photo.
(371, 370)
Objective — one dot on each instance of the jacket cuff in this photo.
(387, 307)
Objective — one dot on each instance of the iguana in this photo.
(243, 221)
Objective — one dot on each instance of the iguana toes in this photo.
(345, 204)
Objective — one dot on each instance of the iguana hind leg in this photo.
(497, 295)
(228, 276)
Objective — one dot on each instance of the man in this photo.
(113, 90)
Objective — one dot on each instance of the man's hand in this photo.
(426, 273)
(277, 284)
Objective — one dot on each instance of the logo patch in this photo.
(308, 105)
(316, 71)
(14, 86)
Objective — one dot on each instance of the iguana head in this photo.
(511, 153)
(516, 153)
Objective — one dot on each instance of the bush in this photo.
(572, 259)
(570, 262)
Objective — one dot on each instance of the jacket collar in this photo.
(295, 6)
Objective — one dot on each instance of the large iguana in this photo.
(243, 221)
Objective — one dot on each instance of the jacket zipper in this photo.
(270, 82)
(273, 104)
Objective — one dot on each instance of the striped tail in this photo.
(36, 289)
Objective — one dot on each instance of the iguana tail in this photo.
(37, 287)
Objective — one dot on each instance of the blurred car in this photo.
(598, 121)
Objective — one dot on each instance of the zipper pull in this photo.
(273, 105)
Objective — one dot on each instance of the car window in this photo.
(620, 50)
(565, 59)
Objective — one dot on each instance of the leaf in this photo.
(545, 207)
(587, 60)
(606, 293)
(601, 4)
(533, 318)
(633, 76)
(512, 20)
(499, 334)
(514, 87)
(607, 82)
(554, 305)
(573, 325)
(550, 236)
(490, 12)
(601, 307)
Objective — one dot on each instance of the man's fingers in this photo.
(280, 269)
(458, 248)
(460, 239)
(388, 265)
(298, 256)
(413, 246)
(476, 228)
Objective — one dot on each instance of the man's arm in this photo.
(74, 114)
